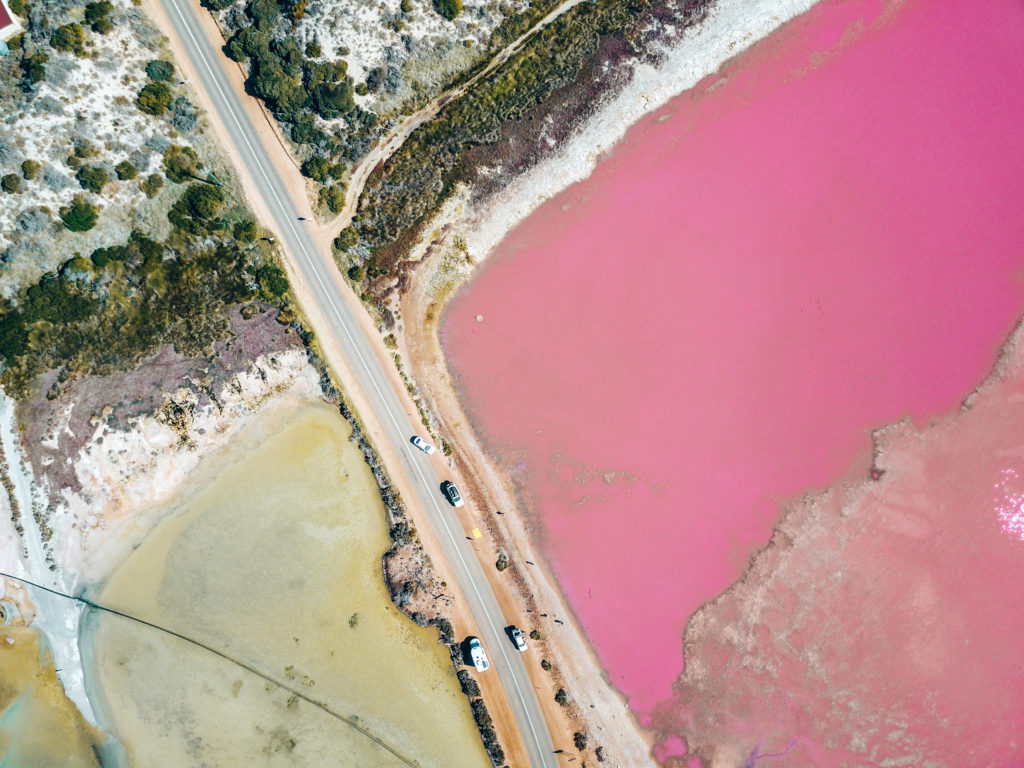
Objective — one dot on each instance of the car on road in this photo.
(517, 638)
(452, 493)
(422, 444)
(476, 653)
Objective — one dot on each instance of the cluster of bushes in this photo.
(485, 725)
(415, 182)
(298, 87)
(104, 312)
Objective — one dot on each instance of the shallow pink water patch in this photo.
(823, 240)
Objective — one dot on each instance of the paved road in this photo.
(301, 250)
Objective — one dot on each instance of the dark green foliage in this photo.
(346, 239)
(180, 163)
(92, 178)
(17, 42)
(535, 634)
(406, 6)
(97, 16)
(316, 168)
(248, 41)
(448, 8)
(34, 67)
(332, 100)
(337, 171)
(30, 169)
(85, 149)
(17, 7)
(313, 50)
(265, 12)
(562, 697)
(332, 197)
(485, 725)
(545, 665)
(11, 183)
(69, 38)
(154, 98)
(196, 210)
(362, 89)
(470, 687)
(580, 740)
(216, 5)
(356, 274)
(152, 185)
(305, 132)
(245, 231)
(159, 70)
(80, 216)
(273, 283)
(82, 322)
(74, 162)
(126, 170)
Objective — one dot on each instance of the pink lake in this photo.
(824, 239)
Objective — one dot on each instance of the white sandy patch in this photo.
(90, 98)
(731, 27)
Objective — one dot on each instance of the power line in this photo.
(227, 657)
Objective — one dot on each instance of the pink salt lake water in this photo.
(825, 239)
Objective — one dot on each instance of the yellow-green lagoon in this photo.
(272, 556)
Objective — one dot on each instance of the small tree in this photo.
(545, 665)
(11, 183)
(346, 239)
(356, 274)
(333, 198)
(180, 163)
(154, 98)
(246, 231)
(30, 169)
(152, 185)
(126, 171)
(448, 8)
(69, 38)
(34, 67)
(535, 634)
(502, 562)
(580, 740)
(80, 216)
(97, 16)
(316, 168)
(562, 697)
(159, 70)
(92, 178)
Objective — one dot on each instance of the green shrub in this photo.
(85, 149)
(272, 280)
(180, 163)
(562, 697)
(362, 89)
(17, 7)
(346, 239)
(406, 6)
(96, 15)
(545, 665)
(196, 210)
(159, 70)
(246, 231)
(535, 634)
(332, 198)
(154, 98)
(152, 185)
(92, 178)
(69, 38)
(265, 12)
(74, 162)
(356, 274)
(30, 169)
(216, 5)
(448, 8)
(316, 168)
(313, 50)
(126, 170)
(34, 67)
(580, 740)
(80, 216)
(337, 171)
(11, 183)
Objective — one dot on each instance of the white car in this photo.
(422, 444)
(476, 653)
(517, 638)
(452, 493)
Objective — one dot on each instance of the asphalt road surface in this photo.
(300, 248)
